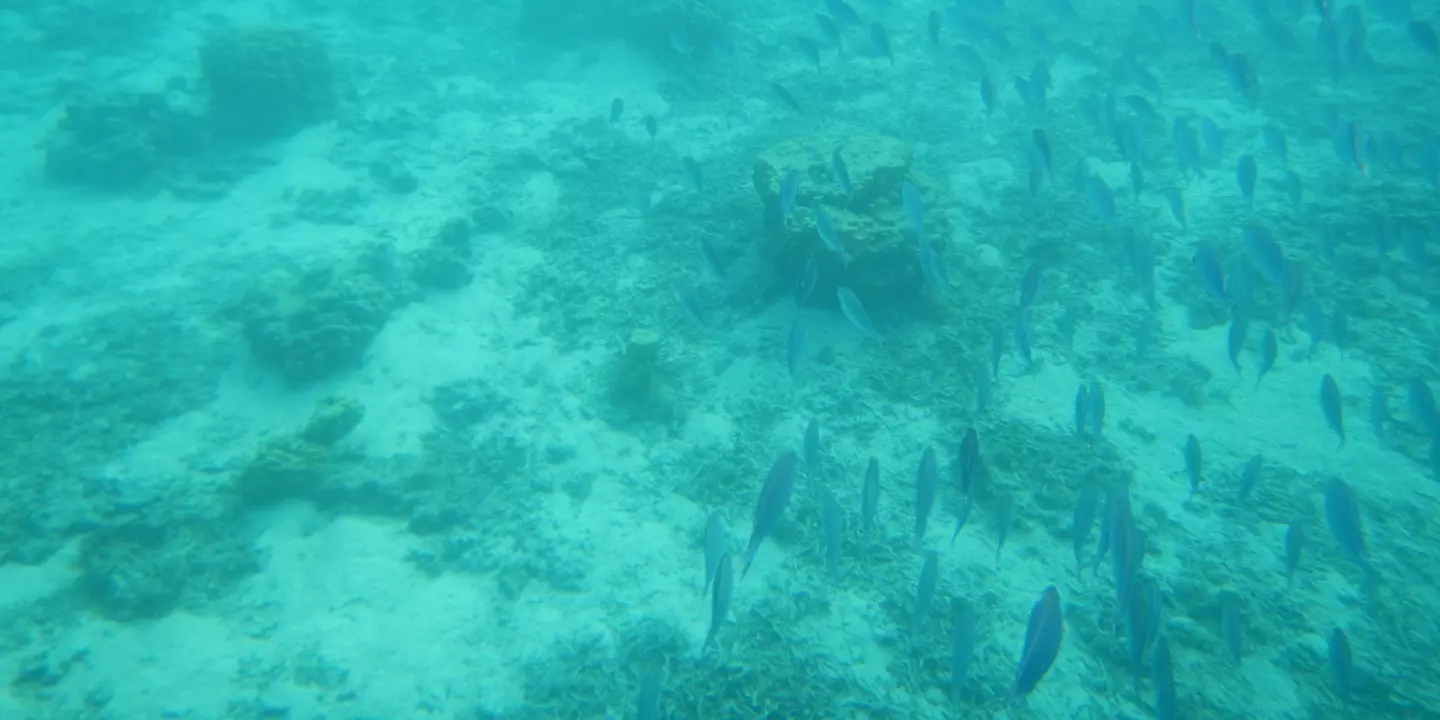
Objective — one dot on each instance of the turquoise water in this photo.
(719, 359)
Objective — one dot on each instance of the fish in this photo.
(843, 12)
(1021, 332)
(1269, 350)
(1235, 340)
(1275, 142)
(689, 302)
(962, 653)
(786, 96)
(1193, 462)
(914, 208)
(692, 169)
(652, 127)
(1082, 409)
(1138, 626)
(1230, 624)
(881, 39)
(1248, 477)
(811, 447)
(1245, 175)
(1085, 507)
(710, 260)
(810, 48)
(1379, 411)
(933, 267)
(1212, 275)
(925, 591)
(1097, 407)
(870, 496)
(795, 343)
(1030, 286)
(1341, 663)
(647, 701)
(1342, 515)
(716, 538)
(1177, 206)
(805, 280)
(988, 95)
(834, 527)
(1043, 636)
(969, 462)
(1101, 200)
(842, 174)
(854, 311)
(932, 25)
(964, 515)
(617, 107)
(789, 191)
(1004, 517)
(1294, 546)
(1040, 143)
(830, 29)
(1331, 405)
(926, 477)
(830, 236)
(1264, 252)
(720, 597)
(1423, 410)
(1423, 35)
(774, 496)
(1162, 670)
(997, 349)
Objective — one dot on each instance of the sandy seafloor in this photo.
(420, 646)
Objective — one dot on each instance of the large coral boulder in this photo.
(267, 82)
(882, 253)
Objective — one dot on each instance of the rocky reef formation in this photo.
(266, 82)
(872, 224)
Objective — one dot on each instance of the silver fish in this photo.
(854, 311)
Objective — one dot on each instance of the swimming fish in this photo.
(854, 311)
(1043, 635)
(1330, 404)
(774, 496)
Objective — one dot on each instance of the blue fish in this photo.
(1269, 350)
(969, 461)
(830, 236)
(1423, 409)
(716, 539)
(1194, 463)
(834, 527)
(1085, 507)
(795, 343)
(720, 597)
(842, 175)
(805, 280)
(926, 479)
(1248, 477)
(1101, 200)
(1177, 206)
(1235, 340)
(1043, 635)
(962, 652)
(881, 39)
(1294, 548)
(774, 497)
(1342, 515)
(925, 591)
(1341, 663)
(1082, 408)
(1213, 137)
(1096, 413)
(811, 447)
(1264, 252)
(692, 169)
(870, 496)
(1230, 624)
(1212, 275)
(1245, 175)
(1331, 405)
(789, 191)
(854, 311)
(1021, 332)
(1163, 672)
(1275, 142)
(843, 12)
(914, 209)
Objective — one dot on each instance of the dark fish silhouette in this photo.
(1331, 405)
(926, 477)
(1342, 514)
(617, 107)
(1341, 663)
(1294, 546)
(774, 496)
(1043, 635)
(870, 496)
(1193, 463)
(720, 598)
(1163, 672)
(715, 542)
